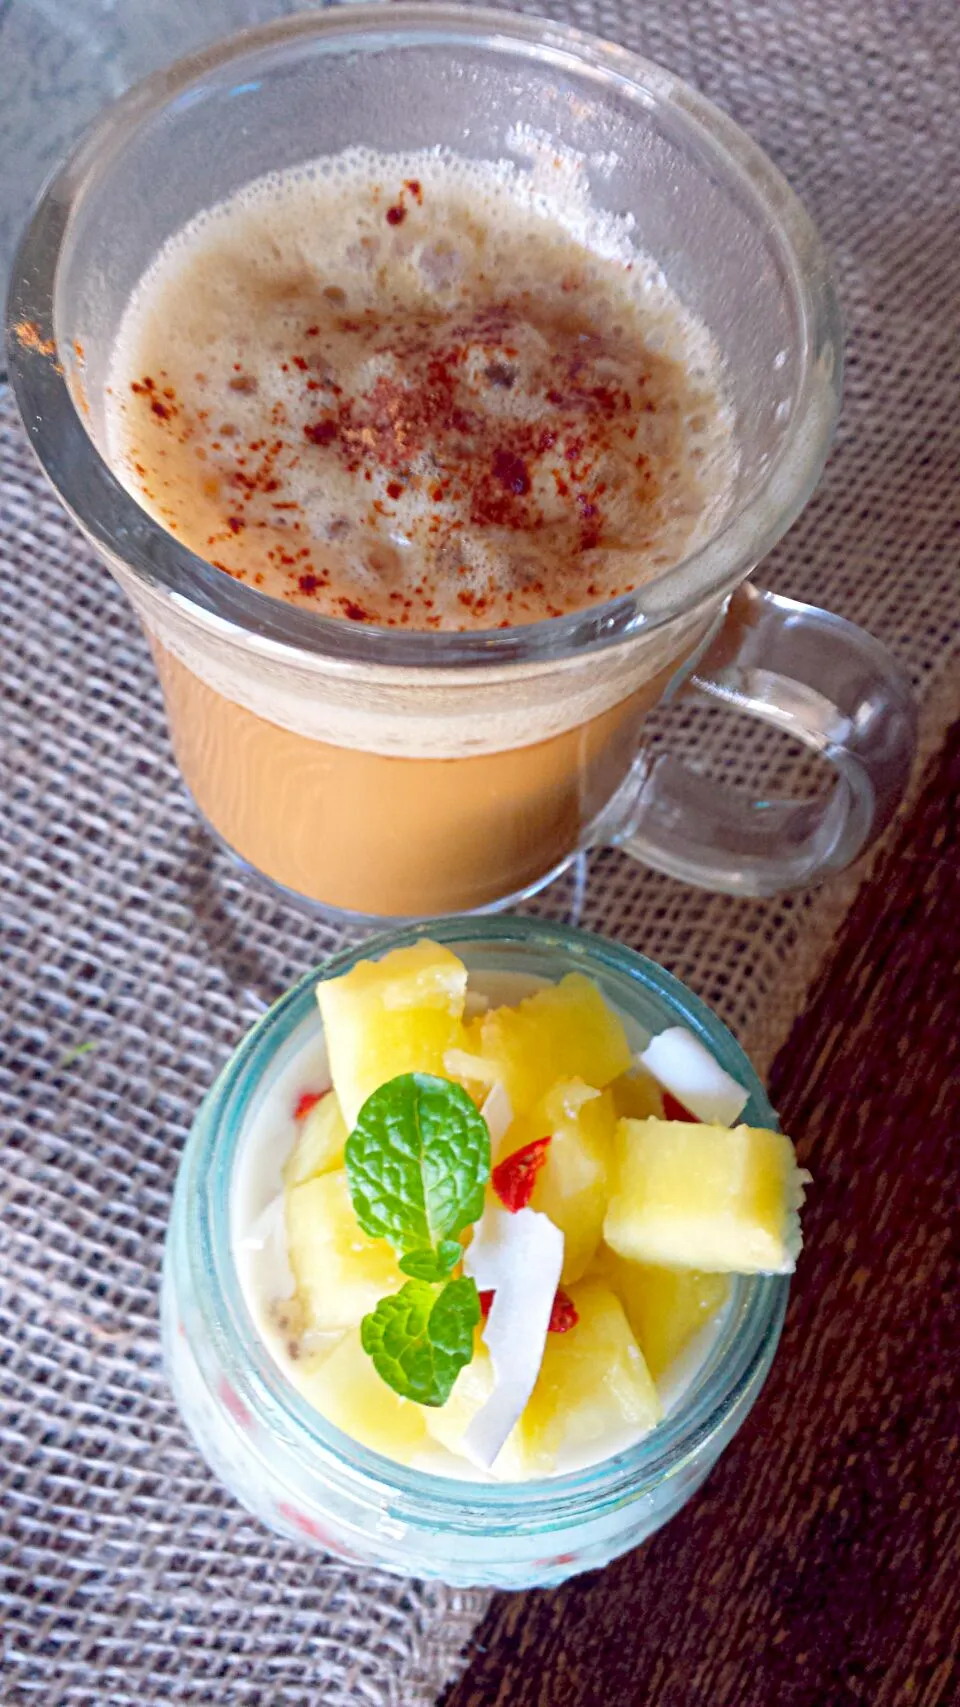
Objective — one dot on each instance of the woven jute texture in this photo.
(129, 1577)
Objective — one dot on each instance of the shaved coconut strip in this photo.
(685, 1068)
(497, 1111)
(268, 1234)
(518, 1257)
(474, 1068)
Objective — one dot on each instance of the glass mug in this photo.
(400, 774)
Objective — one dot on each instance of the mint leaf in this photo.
(432, 1265)
(417, 1162)
(420, 1340)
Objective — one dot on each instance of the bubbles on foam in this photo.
(235, 281)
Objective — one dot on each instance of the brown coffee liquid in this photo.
(390, 836)
(420, 392)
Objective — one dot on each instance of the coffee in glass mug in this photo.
(430, 408)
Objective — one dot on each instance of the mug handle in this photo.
(818, 678)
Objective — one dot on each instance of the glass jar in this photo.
(310, 1482)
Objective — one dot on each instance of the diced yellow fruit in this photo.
(563, 1031)
(319, 1146)
(666, 1307)
(396, 1015)
(447, 1424)
(593, 1385)
(573, 1185)
(339, 1272)
(690, 1195)
(345, 1387)
(471, 1072)
(637, 1096)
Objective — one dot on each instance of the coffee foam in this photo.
(267, 399)
(421, 713)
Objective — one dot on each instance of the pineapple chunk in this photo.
(563, 1031)
(447, 1424)
(345, 1387)
(637, 1096)
(396, 1015)
(593, 1386)
(573, 1186)
(340, 1274)
(666, 1307)
(320, 1144)
(696, 1196)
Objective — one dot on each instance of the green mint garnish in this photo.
(433, 1265)
(418, 1161)
(419, 1340)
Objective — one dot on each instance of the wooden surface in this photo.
(820, 1565)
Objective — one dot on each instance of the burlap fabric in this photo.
(134, 957)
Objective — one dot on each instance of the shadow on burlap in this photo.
(130, 1577)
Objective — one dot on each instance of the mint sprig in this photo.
(418, 1162)
(432, 1265)
(419, 1340)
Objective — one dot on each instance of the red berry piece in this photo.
(514, 1178)
(308, 1101)
(309, 1526)
(674, 1110)
(564, 1314)
(234, 1404)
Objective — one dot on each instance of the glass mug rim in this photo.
(736, 1366)
(117, 524)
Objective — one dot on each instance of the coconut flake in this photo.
(518, 1257)
(497, 1111)
(460, 1065)
(267, 1234)
(680, 1063)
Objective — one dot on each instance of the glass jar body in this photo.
(308, 1481)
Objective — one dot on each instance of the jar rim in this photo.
(723, 1388)
(117, 525)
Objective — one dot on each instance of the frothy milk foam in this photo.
(420, 391)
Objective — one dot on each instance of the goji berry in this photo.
(564, 1314)
(305, 1103)
(515, 1177)
(234, 1404)
(674, 1110)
